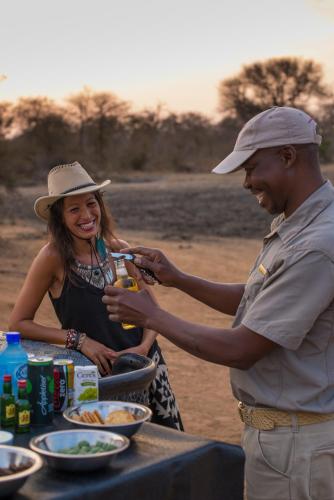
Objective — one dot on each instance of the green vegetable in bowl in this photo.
(84, 448)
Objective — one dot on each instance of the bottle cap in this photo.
(22, 384)
(7, 378)
(13, 337)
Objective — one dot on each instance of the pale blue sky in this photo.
(171, 52)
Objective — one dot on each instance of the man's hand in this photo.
(100, 354)
(130, 307)
(154, 260)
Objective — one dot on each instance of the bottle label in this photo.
(21, 372)
(23, 417)
(10, 411)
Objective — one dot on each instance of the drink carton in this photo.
(86, 386)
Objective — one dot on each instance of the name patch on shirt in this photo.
(262, 269)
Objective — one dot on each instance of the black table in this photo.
(160, 464)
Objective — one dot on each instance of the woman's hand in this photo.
(141, 349)
(100, 354)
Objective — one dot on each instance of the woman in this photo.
(74, 272)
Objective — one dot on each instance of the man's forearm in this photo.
(224, 297)
(208, 343)
(236, 347)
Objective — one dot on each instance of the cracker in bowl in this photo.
(119, 417)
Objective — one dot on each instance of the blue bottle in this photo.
(13, 361)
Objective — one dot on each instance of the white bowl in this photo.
(6, 437)
(50, 444)
(15, 456)
(140, 412)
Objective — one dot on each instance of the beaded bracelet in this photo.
(71, 339)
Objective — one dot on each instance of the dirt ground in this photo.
(206, 225)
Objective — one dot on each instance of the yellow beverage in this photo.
(125, 281)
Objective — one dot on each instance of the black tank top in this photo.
(80, 307)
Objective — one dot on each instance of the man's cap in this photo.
(277, 126)
(65, 180)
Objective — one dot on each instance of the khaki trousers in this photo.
(290, 463)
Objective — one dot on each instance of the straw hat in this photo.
(65, 180)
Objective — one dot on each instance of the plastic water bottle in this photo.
(13, 361)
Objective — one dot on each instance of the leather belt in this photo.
(268, 418)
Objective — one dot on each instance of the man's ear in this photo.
(288, 155)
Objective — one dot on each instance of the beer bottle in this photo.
(22, 423)
(7, 403)
(125, 281)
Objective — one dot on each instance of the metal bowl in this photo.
(140, 412)
(50, 443)
(18, 457)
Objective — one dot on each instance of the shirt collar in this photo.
(304, 215)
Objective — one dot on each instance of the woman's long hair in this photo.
(63, 240)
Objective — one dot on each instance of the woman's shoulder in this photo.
(48, 262)
(49, 255)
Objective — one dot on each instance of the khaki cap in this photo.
(276, 126)
(65, 180)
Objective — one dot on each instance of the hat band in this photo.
(79, 187)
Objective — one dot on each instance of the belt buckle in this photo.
(245, 413)
(250, 418)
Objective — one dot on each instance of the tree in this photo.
(43, 134)
(326, 123)
(284, 81)
(29, 111)
(87, 107)
(6, 118)
(143, 134)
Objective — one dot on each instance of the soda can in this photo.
(63, 372)
(40, 389)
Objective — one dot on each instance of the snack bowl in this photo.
(25, 461)
(140, 412)
(52, 446)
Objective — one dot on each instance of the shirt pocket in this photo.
(254, 284)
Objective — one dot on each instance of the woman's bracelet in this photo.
(74, 339)
(71, 339)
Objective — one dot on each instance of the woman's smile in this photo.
(87, 227)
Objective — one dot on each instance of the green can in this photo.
(40, 389)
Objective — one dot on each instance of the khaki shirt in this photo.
(289, 299)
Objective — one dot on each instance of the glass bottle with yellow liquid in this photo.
(7, 403)
(125, 281)
(22, 408)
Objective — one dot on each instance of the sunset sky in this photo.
(152, 52)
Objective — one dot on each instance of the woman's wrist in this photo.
(82, 338)
(146, 345)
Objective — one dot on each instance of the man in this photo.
(281, 345)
